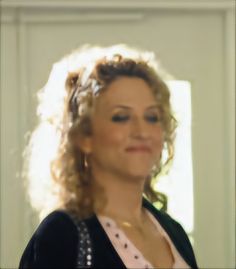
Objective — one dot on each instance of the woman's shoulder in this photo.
(54, 243)
(172, 227)
(163, 217)
(58, 222)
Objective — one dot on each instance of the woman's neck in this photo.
(123, 198)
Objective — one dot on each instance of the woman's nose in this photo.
(139, 129)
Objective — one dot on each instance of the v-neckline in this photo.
(100, 227)
(146, 205)
(132, 247)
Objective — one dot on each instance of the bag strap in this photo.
(85, 250)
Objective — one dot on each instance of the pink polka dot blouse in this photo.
(130, 255)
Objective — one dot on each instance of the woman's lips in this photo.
(139, 149)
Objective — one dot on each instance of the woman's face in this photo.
(127, 137)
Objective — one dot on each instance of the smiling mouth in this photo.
(138, 149)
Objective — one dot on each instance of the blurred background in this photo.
(194, 41)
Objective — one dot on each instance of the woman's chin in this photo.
(138, 175)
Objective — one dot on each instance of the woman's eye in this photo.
(120, 118)
(152, 118)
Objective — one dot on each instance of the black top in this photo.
(56, 242)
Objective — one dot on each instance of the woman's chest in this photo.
(154, 248)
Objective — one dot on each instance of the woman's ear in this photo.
(84, 143)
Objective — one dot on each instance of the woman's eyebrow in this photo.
(128, 107)
(153, 106)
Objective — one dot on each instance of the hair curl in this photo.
(65, 107)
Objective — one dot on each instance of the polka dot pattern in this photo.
(127, 251)
(120, 241)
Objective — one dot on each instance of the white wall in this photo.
(195, 42)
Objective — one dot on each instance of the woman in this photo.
(111, 126)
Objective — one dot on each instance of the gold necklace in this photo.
(128, 224)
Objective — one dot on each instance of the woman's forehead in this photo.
(127, 91)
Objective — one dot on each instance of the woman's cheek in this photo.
(110, 135)
(115, 136)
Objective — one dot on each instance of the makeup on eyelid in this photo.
(124, 118)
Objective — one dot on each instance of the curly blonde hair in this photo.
(54, 164)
